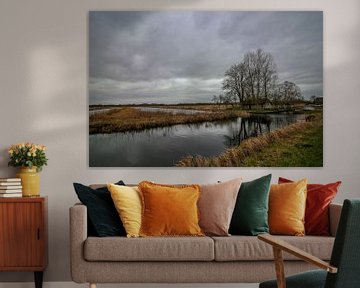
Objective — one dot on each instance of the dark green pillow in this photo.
(250, 216)
(102, 215)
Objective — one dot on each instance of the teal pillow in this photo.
(250, 216)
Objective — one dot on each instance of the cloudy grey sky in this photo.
(181, 56)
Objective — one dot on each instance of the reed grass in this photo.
(132, 119)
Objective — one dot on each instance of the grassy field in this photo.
(130, 119)
(297, 145)
(303, 149)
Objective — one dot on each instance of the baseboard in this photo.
(74, 285)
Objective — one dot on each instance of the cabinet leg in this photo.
(38, 279)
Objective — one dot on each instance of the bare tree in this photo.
(234, 82)
(214, 99)
(289, 92)
(312, 98)
(221, 99)
(250, 66)
(253, 79)
(262, 73)
(229, 99)
(269, 75)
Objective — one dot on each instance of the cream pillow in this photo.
(127, 201)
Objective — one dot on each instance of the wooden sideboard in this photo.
(23, 235)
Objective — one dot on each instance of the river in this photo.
(163, 147)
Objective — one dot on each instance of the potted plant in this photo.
(30, 158)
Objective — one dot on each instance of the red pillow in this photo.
(319, 197)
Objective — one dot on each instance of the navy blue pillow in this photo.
(103, 217)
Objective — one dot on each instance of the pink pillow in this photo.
(216, 205)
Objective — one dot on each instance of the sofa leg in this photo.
(92, 285)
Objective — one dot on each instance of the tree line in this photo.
(254, 81)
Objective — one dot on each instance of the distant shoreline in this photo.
(125, 118)
(177, 105)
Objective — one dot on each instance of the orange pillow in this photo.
(287, 204)
(318, 200)
(169, 210)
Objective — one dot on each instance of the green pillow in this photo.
(250, 216)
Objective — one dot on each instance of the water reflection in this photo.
(164, 146)
(99, 111)
(256, 125)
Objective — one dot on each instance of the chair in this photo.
(344, 268)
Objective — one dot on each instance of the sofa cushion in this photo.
(250, 215)
(169, 210)
(102, 216)
(287, 204)
(149, 249)
(244, 248)
(127, 201)
(216, 206)
(318, 199)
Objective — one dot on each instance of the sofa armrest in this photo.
(78, 235)
(334, 217)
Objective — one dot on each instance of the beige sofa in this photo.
(234, 259)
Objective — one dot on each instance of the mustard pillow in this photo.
(287, 204)
(127, 201)
(169, 210)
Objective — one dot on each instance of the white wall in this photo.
(43, 90)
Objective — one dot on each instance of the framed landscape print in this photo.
(205, 89)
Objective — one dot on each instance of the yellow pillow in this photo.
(287, 204)
(169, 210)
(127, 201)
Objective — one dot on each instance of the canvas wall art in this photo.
(205, 89)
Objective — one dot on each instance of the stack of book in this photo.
(10, 187)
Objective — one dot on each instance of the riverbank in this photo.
(297, 145)
(131, 119)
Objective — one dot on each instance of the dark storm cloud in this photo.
(172, 57)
